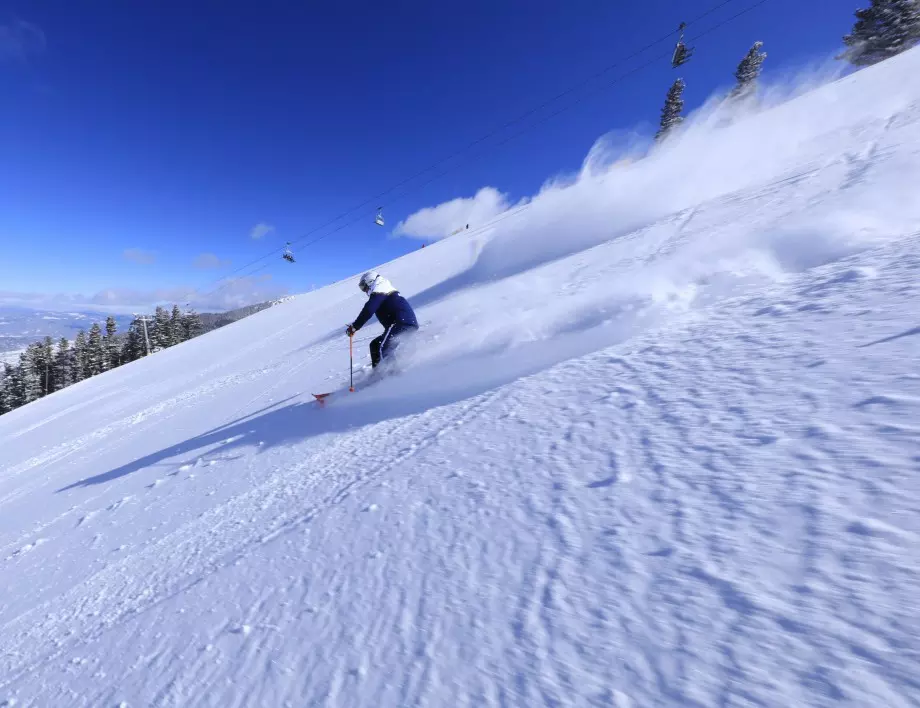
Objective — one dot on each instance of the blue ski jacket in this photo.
(390, 308)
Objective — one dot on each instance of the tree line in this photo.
(49, 366)
(881, 31)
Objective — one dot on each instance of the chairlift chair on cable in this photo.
(682, 52)
(288, 255)
(379, 218)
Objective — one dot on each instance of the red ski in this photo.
(321, 397)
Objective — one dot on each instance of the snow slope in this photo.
(659, 446)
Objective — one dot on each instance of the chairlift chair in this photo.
(379, 218)
(288, 255)
(682, 52)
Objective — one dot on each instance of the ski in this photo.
(321, 397)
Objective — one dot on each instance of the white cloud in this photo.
(260, 230)
(207, 261)
(139, 255)
(443, 220)
(235, 292)
(20, 40)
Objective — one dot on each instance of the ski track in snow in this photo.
(137, 425)
(645, 484)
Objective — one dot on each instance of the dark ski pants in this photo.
(386, 343)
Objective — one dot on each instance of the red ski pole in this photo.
(351, 364)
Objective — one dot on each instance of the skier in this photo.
(393, 311)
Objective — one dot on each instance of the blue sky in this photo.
(142, 143)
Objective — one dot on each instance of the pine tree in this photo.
(63, 366)
(13, 375)
(112, 348)
(45, 364)
(30, 385)
(134, 346)
(94, 361)
(162, 331)
(7, 392)
(748, 72)
(177, 332)
(78, 359)
(882, 30)
(37, 369)
(673, 107)
(191, 325)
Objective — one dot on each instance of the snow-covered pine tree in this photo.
(673, 107)
(78, 359)
(29, 380)
(13, 376)
(7, 396)
(6, 392)
(177, 332)
(63, 366)
(10, 388)
(46, 365)
(112, 348)
(748, 72)
(191, 325)
(162, 331)
(36, 358)
(94, 362)
(134, 347)
(882, 30)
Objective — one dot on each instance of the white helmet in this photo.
(372, 283)
(367, 280)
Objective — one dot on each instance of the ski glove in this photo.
(350, 330)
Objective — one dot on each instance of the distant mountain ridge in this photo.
(214, 320)
(36, 363)
(20, 326)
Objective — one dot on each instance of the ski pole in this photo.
(351, 363)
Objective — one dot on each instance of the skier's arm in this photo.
(373, 302)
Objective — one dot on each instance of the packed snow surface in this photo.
(656, 444)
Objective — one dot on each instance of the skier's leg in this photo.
(375, 349)
(388, 342)
(394, 336)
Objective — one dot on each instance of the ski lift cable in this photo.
(526, 128)
(511, 137)
(482, 139)
(469, 232)
(498, 130)
(727, 20)
(522, 116)
(635, 70)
